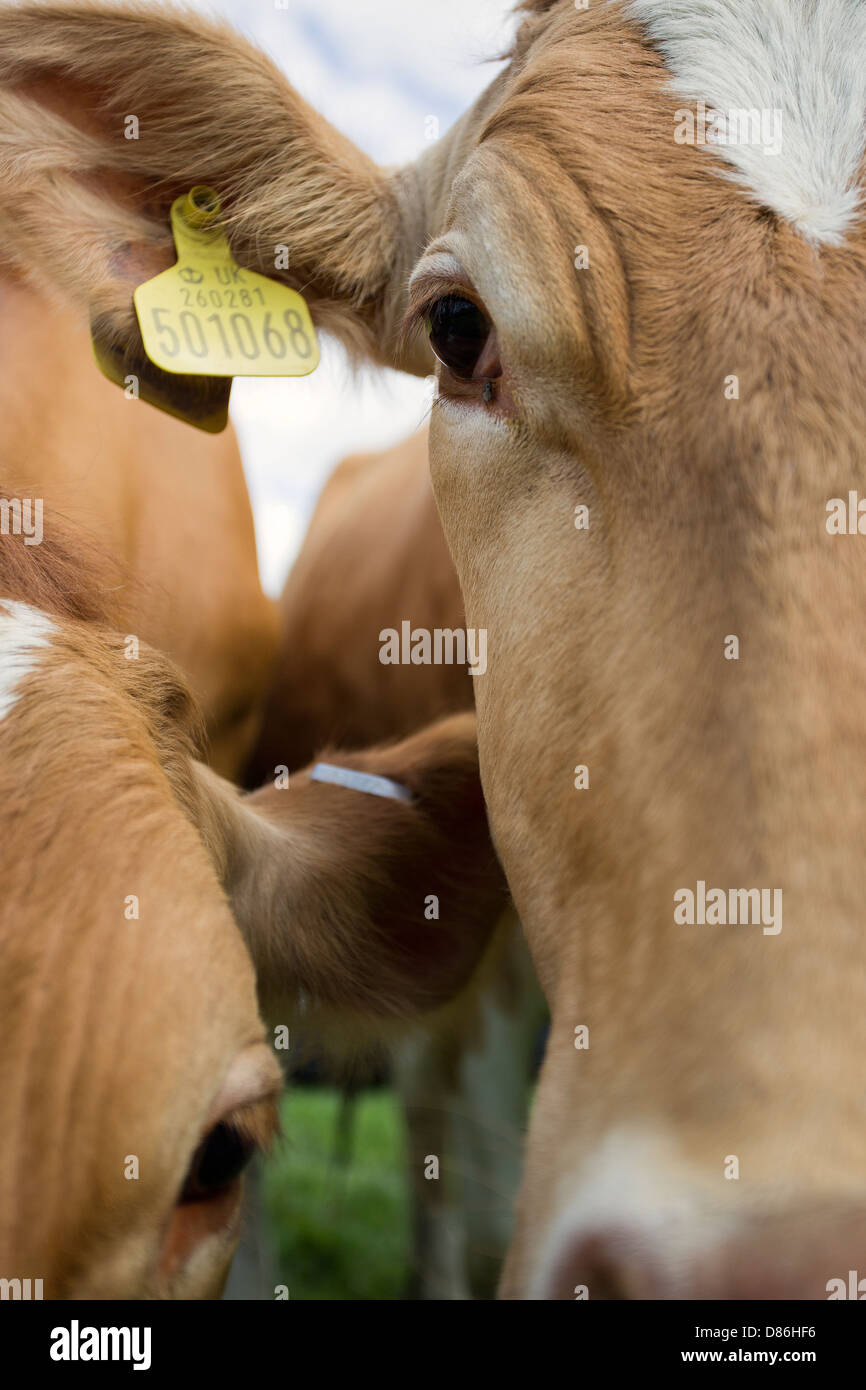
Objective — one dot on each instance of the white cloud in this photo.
(293, 431)
(376, 69)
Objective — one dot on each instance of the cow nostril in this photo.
(592, 1267)
(605, 1283)
(784, 1253)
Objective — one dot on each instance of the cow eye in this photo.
(219, 1159)
(459, 332)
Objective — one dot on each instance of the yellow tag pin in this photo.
(207, 316)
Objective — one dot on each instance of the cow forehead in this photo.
(775, 88)
(577, 150)
(801, 68)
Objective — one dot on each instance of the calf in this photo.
(143, 899)
(648, 314)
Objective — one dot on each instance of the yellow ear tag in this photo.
(206, 316)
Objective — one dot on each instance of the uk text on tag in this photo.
(208, 316)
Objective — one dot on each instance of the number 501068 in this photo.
(232, 337)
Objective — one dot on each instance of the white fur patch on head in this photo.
(800, 66)
(24, 631)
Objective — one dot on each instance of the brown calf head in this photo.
(143, 901)
(136, 1077)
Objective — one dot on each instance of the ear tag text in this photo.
(208, 316)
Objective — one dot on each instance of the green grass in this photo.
(341, 1229)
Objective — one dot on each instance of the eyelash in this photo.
(417, 314)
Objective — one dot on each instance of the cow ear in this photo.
(367, 906)
(110, 112)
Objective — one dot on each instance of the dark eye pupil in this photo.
(219, 1159)
(458, 331)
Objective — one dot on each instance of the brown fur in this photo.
(362, 944)
(62, 575)
(122, 1035)
(117, 1038)
(164, 507)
